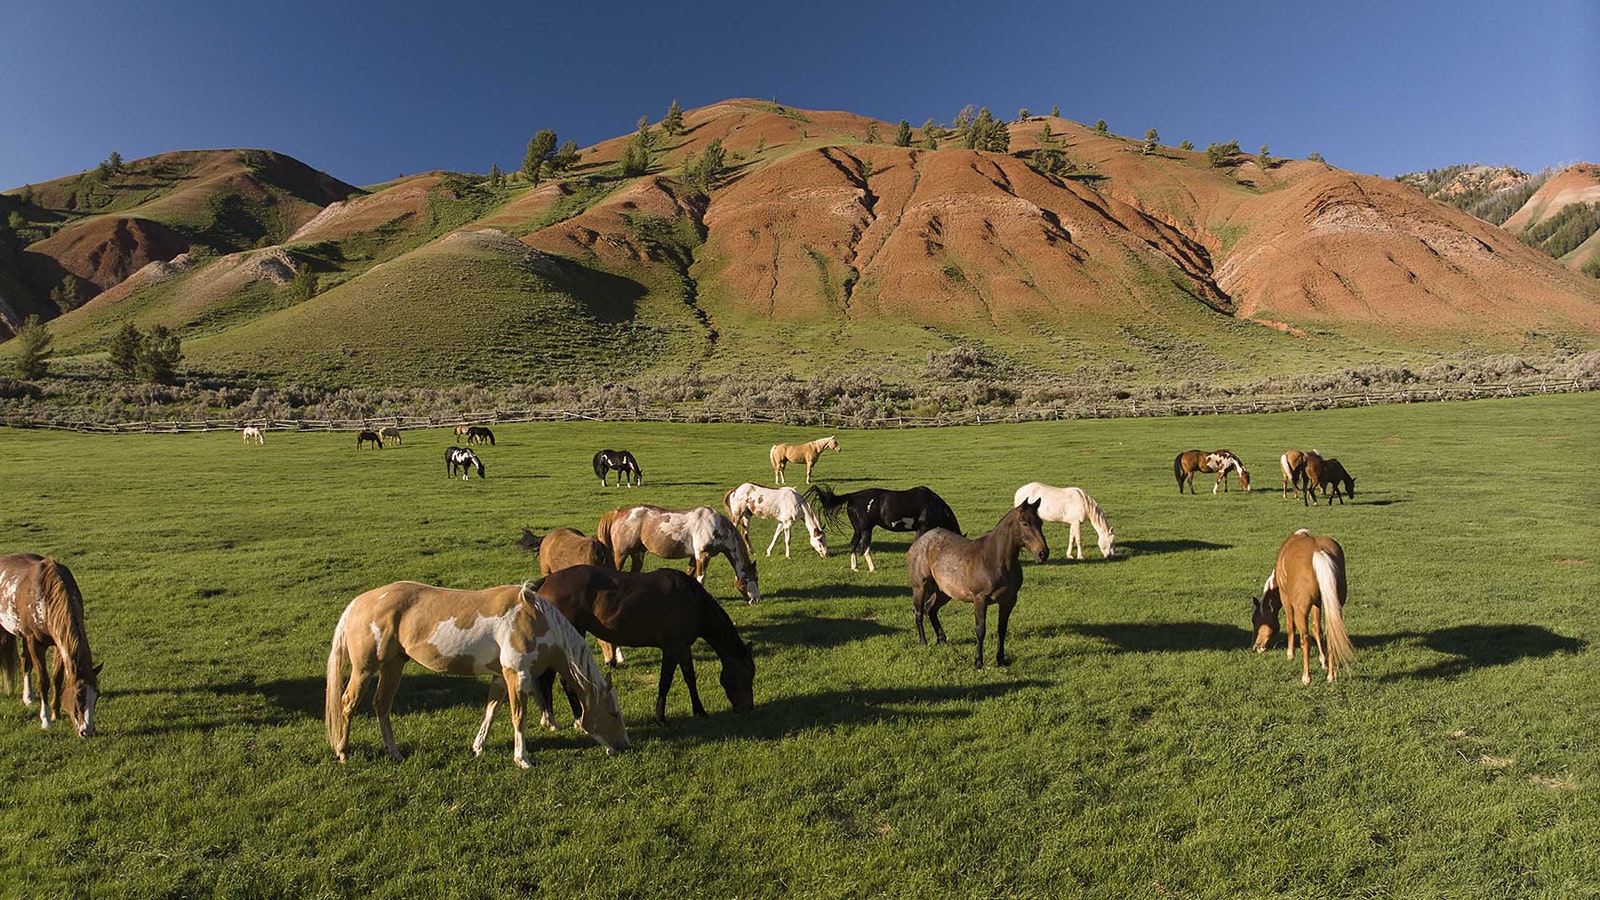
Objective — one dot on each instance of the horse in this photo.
(1070, 505)
(41, 607)
(461, 431)
(369, 437)
(783, 454)
(565, 547)
(252, 433)
(478, 434)
(665, 608)
(1185, 464)
(1309, 576)
(507, 632)
(390, 433)
(695, 534)
(944, 565)
(916, 509)
(463, 459)
(1225, 461)
(623, 463)
(1324, 473)
(1293, 464)
(783, 504)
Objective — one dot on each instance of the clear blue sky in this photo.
(371, 89)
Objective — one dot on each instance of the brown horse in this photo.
(565, 547)
(506, 632)
(665, 608)
(783, 454)
(369, 437)
(1326, 473)
(945, 566)
(1293, 464)
(695, 534)
(1222, 462)
(1308, 577)
(40, 608)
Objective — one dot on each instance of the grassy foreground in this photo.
(1133, 748)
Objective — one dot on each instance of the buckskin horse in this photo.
(1309, 577)
(916, 509)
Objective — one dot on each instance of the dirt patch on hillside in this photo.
(105, 251)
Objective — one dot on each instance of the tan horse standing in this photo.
(783, 454)
(506, 632)
(695, 534)
(40, 608)
(1293, 464)
(1309, 577)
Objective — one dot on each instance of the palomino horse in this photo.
(565, 547)
(1070, 505)
(1222, 462)
(783, 454)
(40, 608)
(783, 504)
(369, 437)
(461, 432)
(665, 608)
(252, 433)
(696, 534)
(1308, 577)
(1293, 464)
(916, 509)
(621, 462)
(945, 566)
(1325, 473)
(478, 434)
(462, 459)
(506, 632)
(390, 433)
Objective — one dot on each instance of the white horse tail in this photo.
(333, 718)
(1331, 585)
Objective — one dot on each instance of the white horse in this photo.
(1070, 505)
(252, 433)
(783, 504)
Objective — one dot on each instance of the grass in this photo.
(1134, 747)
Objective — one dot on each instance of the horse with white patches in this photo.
(463, 460)
(695, 534)
(506, 632)
(1072, 506)
(1222, 462)
(252, 433)
(782, 504)
(1308, 578)
(41, 607)
(783, 454)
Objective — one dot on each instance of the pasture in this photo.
(1134, 747)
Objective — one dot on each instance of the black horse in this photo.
(369, 437)
(918, 509)
(626, 467)
(462, 459)
(477, 434)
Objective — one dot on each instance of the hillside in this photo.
(1070, 251)
(1563, 218)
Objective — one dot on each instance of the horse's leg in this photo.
(1075, 537)
(669, 662)
(635, 560)
(810, 461)
(1006, 606)
(1316, 635)
(855, 543)
(383, 701)
(497, 692)
(940, 598)
(609, 653)
(919, 598)
(866, 551)
(980, 612)
(775, 541)
(35, 651)
(787, 526)
(1305, 650)
(543, 690)
(58, 684)
(516, 696)
(702, 561)
(686, 663)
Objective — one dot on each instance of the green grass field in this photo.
(1133, 748)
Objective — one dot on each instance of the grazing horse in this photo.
(1185, 464)
(1309, 576)
(623, 463)
(1224, 462)
(696, 534)
(461, 432)
(1325, 473)
(1293, 464)
(944, 565)
(916, 509)
(478, 434)
(1070, 505)
(369, 437)
(390, 433)
(783, 504)
(40, 608)
(665, 608)
(505, 632)
(565, 547)
(460, 458)
(252, 433)
(783, 454)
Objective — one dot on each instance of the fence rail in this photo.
(1087, 409)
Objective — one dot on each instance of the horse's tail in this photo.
(602, 530)
(831, 503)
(10, 661)
(529, 541)
(1331, 585)
(1177, 469)
(727, 503)
(333, 719)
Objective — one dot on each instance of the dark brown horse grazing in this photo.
(1308, 577)
(40, 608)
(1326, 473)
(369, 437)
(945, 566)
(565, 547)
(665, 608)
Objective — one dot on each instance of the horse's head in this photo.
(1265, 617)
(1244, 479)
(1105, 543)
(819, 542)
(1032, 528)
(745, 581)
(79, 696)
(832, 444)
(739, 678)
(601, 718)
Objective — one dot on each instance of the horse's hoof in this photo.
(1305, 679)
(521, 762)
(396, 757)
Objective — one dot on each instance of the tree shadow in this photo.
(1180, 545)
(1480, 646)
(814, 631)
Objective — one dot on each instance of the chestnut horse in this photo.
(1293, 464)
(944, 565)
(1326, 473)
(565, 547)
(783, 454)
(695, 534)
(40, 608)
(1309, 577)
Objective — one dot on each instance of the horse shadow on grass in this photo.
(814, 631)
(1156, 637)
(1176, 545)
(839, 590)
(1473, 647)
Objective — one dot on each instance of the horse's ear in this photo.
(1034, 503)
(97, 668)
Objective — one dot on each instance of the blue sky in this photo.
(366, 91)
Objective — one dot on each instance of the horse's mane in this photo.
(64, 616)
(1097, 516)
(721, 633)
(581, 667)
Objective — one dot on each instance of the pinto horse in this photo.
(621, 462)
(40, 608)
(944, 565)
(1070, 505)
(696, 534)
(565, 547)
(369, 437)
(478, 434)
(1309, 577)
(917, 509)
(783, 504)
(463, 460)
(783, 454)
(1325, 473)
(1222, 462)
(665, 608)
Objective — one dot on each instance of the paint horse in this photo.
(565, 547)
(944, 566)
(504, 632)
(369, 437)
(1325, 473)
(41, 607)
(252, 433)
(1309, 577)
(665, 608)
(916, 509)
(1071, 506)
(1222, 462)
(621, 462)
(1293, 464)
(783, 454)
(783, 504)
(696, 534)
(463, 460)
(478, 434)
(390, 433)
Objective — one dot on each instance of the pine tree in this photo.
(33, 355)
(1047, 137)
(1023, 114)
(1100, 126)
(872, 133)
(673, 123)
(1055, 111)
(636, 156)
(1316, 157)
(116, 161)
(902, 134)
(645, 134)
(987, 133)
(1263, 159)
(1152, 139)
(1219, 155)
(160, 355)
(68, 294)
(496, 180)
(565, 158)
(126, 347)
(540, 146)
(1186, 145)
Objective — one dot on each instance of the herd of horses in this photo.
(525, 636)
